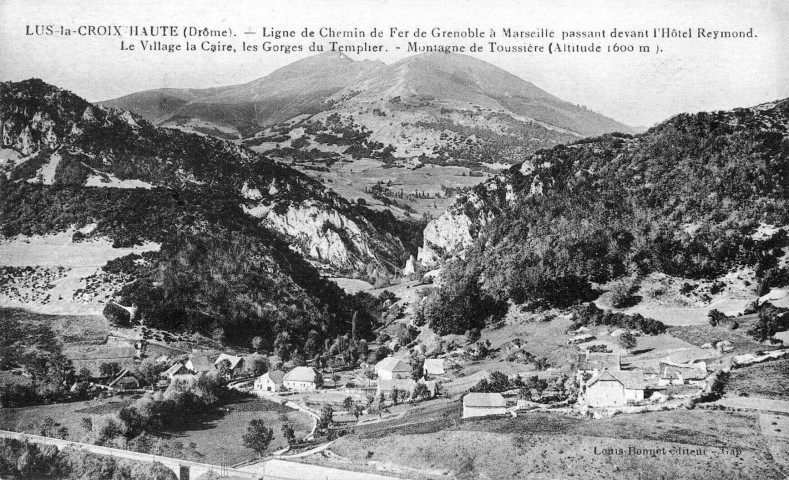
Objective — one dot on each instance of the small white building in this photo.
(391, 368)
(609, 389)
(271, 381)
(678, 374)
(484, 404)
(301, 378)
(433, 367)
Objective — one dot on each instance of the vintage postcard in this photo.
(380, 239)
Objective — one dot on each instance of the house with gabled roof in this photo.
(615, 388)
(680, 374)
(127, 380)
(391, 368)
(236, 363)
(199, 364)
(595, 362)
(177, 369)
(483, 404)
(302, 378)
(271, 381)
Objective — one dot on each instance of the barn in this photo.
(484, 404)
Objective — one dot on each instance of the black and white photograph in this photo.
(394, 239)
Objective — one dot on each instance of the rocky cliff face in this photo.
(332, 241)
(456, 229)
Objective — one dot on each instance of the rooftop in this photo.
(484, 400)
(393, 364)
(275, 376)
(630, 379)
(301, 374)
(598, 361)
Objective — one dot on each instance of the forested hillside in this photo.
(685, 198)
(223, 269)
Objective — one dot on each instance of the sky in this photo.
(688, 75)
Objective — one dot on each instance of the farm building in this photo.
(177, 370)
(127, 380)
(678, 374)
(433, 367)
(236, 363)
(484, 404)
(92, 356)
(615, 388)
(199, 364)
(386, 387)
(391, 368)
(594, 363)
(302, 378)
(270, 381)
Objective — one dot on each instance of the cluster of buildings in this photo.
(394, 377)
(611, 386)
(603, 383)
(298, 379)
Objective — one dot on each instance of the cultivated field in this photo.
(766, 380)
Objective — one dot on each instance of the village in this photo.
(604, 376)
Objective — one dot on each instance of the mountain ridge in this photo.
(309, 86)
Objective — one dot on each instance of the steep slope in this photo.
(231, 224)
(72, 143)
(692, 197)
(301, 87)
(462, 79)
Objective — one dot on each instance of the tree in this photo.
(628, 341)
(620, 295)
(223, 368)
(716, 317)
(326, 418)
(356, 411)
(109, 369)
(347, 403)
(498, 382)
(767, 325)
(421, 391)
(87, 424)
(258, 436)
(395, 395)
(288, 433)
(257, 364)
(257, 343)
(417, 366)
